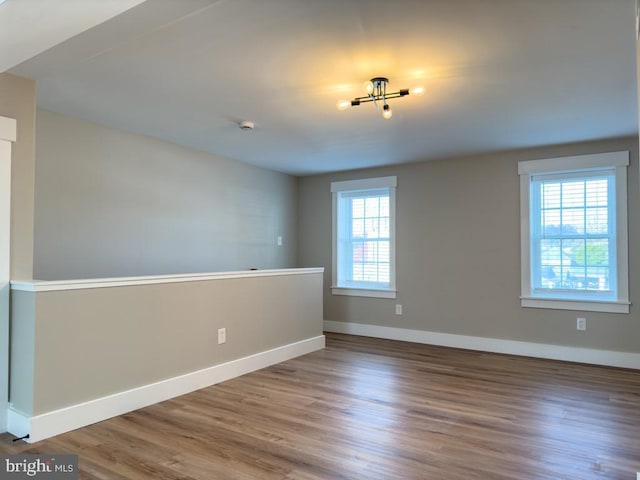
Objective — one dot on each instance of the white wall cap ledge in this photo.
(55, 285)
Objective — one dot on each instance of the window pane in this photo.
(384, 206)
(551, 222)
(550, 253)
(358, 274)
(597, 192)
(357, 228)
(357, 251)
(357, 208)
(550, 195)
(384, 227)
(598, 278)
(363, 219)
(372, 207)
(572, 221)
(573, 194)
(371, 228)
(550, 276)
(383, 251)
(383, 272)
(595, 254)
(597, 220)
(370, 272)
(370, 252)
(573, 251)
(575, 278)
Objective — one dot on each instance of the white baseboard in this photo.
(495, 345)
(66, 419)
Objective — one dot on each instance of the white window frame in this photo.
(582, 163)
(365, 184)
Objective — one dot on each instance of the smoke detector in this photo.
(246, 125)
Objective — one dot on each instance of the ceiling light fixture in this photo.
(377, 92)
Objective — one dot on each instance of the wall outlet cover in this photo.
(222, 335)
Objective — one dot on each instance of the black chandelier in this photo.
(377, 92)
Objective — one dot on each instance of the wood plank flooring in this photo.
(370, 409)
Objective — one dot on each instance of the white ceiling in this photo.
(28, 27)
(498, 74)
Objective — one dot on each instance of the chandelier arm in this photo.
(378, 93)
(374, 98)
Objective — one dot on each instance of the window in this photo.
(574, 232)
(364, 237)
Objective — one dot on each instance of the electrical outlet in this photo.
(279, 240)
(581, 324)
(398, 309)
(222, 335)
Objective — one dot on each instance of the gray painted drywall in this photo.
(22, 351)
(110, 203)
(18, 100)
(458, 252)
(92, 343)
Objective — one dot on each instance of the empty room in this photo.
(319, 239)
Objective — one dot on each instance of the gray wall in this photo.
(458, 252)
(72, 346)
(110, 203)
(18, 100)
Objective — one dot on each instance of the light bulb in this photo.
(386, 112)
(418, 91)
(369, 87)
(343, 104)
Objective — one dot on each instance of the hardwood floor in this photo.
(371, 409)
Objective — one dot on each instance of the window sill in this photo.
(580, 305)
(363, 292)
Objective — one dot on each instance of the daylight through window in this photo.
(364, 237)
(574, 234)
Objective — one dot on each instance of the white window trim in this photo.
(619, 160)
(363, 292)
(364, 184)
